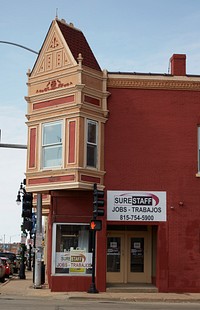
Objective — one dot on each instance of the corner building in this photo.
(136, 136)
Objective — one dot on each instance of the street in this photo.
(11, 303)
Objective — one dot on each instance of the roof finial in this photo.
(80, 59)
(56, 13)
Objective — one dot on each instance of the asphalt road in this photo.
(50, 304)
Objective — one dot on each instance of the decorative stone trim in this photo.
(153, 84)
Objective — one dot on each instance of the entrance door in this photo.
(129, 257)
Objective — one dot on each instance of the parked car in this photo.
(7, 265)
(2, 271)
(13, 260)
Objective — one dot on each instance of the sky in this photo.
(127, 36)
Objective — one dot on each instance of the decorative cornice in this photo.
(153, 84)
(60, 92)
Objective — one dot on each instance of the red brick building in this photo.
(136, 136)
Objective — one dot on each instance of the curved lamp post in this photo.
(19, 45)
(22, 188)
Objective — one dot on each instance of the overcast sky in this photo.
(128, 35)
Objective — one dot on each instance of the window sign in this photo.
(75, 260)
(136, 206)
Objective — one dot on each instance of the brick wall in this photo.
(151, 144)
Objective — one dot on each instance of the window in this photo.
(92, 128)
(73, 249)
(52, 145)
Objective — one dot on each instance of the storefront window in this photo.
(73, 252)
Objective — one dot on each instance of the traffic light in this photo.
(98, 202)
(96, 225)
(27, 205)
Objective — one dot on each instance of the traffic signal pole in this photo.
(97, 202)
(38, 248)
(93, 288)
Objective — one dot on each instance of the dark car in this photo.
(2, 271)
(13, 260)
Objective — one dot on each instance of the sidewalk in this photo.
(19, 288)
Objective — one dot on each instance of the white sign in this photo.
(75, 259)
(38, 240)
(136, 206)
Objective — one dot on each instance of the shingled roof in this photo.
(77, 43)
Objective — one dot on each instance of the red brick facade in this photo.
(151, 144)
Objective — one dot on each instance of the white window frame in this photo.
(57, 144)
(94, 144)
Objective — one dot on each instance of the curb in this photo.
(135, 299)
(26, 290)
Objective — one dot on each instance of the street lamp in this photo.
(39, 199)
(21, 46)
(12, 146)
(21, 192)
(6, 145)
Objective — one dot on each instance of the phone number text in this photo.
(135, 217)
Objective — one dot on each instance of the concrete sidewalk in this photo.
(19, 288)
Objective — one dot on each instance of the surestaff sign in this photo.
(136, 206)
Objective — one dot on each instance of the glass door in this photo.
(139, 257)
(129, 257)
(115, 258)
